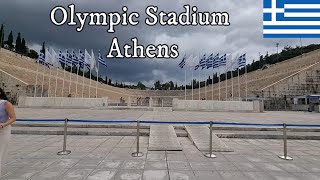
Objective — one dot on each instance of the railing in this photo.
(138, 122)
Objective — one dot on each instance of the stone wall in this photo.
(13, 87)
(279, 96)
(62, 102)
(218, 106)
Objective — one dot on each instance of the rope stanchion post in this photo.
(210, 154)
(137, 153)
(285, 148)
(64, 148)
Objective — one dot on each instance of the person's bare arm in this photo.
(12, 115)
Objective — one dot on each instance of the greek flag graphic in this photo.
(291, 19)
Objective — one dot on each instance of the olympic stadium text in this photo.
(189, 17)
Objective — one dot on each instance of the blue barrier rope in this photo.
(166, 122)
(102, 121)
(303, 125)
(173, 122)
(245, 124)
(40, 120)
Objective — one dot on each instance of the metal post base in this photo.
(135, 154)
(286, 157)
(64, 152)
(210, 155)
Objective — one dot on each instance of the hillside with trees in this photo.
(20, 45)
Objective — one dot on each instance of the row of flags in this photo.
(80, 60)
(214, 61)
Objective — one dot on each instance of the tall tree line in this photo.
(20, 45)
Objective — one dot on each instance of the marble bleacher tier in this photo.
(26, 69)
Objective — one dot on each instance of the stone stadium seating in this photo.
(258, 80)
(26, 70)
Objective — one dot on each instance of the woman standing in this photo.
(7, 117)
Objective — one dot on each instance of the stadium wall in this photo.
(14, 87)
(218, 106)
(62, 102)
(279, 96)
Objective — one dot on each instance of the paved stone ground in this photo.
(266, 117)
(33, 157)
(163, 138)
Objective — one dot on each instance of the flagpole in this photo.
(185, 84)
(35, 86)
(212, 87)
(77, 76)
(97, 80)
(70, 75)
(90, 83)
(232, 83)
(83, 78)
(77, 79)
(205, 86)
(226, 83)
(192, 83)
(64, 75)
(42, 80)
(246, 82)
(49, 82)
(199, 84)
(239, 83)
(219, 86)
(55, 89)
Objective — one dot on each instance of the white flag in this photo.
(234, 63)
(87, 58)
(93, 62)
(48, 57)
(55, 59)
(189, 62)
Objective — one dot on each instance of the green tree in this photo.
(157, 85)
(24, 47)
(171, 85)
(2, 42)
(18, 44)
(33, 54)
(1, 35)
(43, 50)
(165, 86)
(10, 41)
(141, 86)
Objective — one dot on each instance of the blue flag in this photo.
(216, 61)
(183, 62)
(242, 61)
(223, 60)
(209, 62)
(101, 60)
(62, 58)
(196, 67)
(291, 19)
(202, 62)
(41, 58)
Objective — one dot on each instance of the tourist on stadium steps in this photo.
(7, 117)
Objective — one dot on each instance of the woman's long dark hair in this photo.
(3, 95)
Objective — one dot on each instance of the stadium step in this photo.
(199, 135)
(163, 138)
(85, 129)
